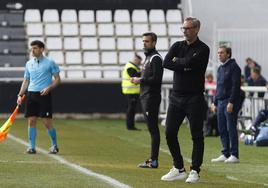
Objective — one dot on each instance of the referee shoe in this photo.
(30, 151)
(53, 150)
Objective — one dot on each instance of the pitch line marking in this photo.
(103, 178)
(251, 182)
(228, 177)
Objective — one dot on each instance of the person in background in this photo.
(150, 81)
(250, 63)
(188, 59)
(38, 85)
(256, 79)
(210, 83)
(210, 123)
(261, 117)
(227, 104)
(131, 90)
(243, 80)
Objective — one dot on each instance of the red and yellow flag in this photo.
(7, 125)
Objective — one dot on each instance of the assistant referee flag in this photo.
(7, 125)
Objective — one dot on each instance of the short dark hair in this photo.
(151, 34)
(249, 59)
(228, 50)
(256, 70)
(138, 56)
(38, 43)
(195, 21)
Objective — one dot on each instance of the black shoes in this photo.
(31, 151)
(149, 164)
(53, 150)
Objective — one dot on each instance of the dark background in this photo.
(94, 4)
(72, 97)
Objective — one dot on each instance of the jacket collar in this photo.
(229, 61)
(192, 44)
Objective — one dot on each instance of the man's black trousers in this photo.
(132, 101)
(150, 107)
(193, 108)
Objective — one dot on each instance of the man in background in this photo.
(227, 104)
(250, 63)
(131, 90)
(256, 79)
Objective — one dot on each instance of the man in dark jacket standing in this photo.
(150, 96)
(227, 103)
(188, 59)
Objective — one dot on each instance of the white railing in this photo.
(65, 70)
(251, 106)
(104, 74)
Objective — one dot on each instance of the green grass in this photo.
(106, 147)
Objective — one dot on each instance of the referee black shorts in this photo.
(38, 106)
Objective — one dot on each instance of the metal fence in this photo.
(251, 106)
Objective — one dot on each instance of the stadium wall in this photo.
(72, 98)
(241, 24)
(93, 4)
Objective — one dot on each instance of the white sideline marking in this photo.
(228, 177)
(251, 182)
(107, 179)
(29, 162)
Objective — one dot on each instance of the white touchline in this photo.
(228, 177)
(74, 166)
(251, 182)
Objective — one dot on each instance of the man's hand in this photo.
(135, 80)
(45, 91)
(230, 107)
(19, 100)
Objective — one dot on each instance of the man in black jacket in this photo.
(150, 81)
(188, 59)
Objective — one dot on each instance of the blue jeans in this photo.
(227, 125)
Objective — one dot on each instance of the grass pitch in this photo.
(106, 147)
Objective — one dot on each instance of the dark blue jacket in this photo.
(228, 82)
